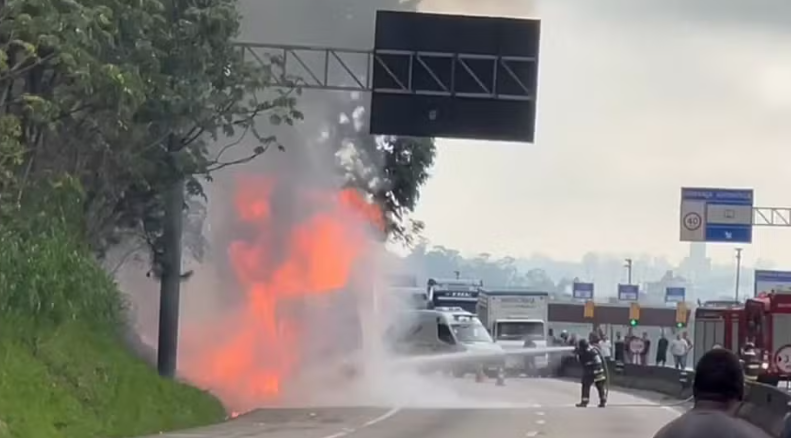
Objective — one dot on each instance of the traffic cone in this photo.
(479, 376)
(500, 377)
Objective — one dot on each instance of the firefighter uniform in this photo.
(751, 363)
(592, 373)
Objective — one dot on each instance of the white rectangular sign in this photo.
(772, 281)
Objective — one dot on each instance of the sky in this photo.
(636, 99)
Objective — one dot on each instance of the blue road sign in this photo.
(628, 292)
(772, 281)
(675, 294)
(582, 291)
(717, 215)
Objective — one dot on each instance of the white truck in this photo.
(517, 318)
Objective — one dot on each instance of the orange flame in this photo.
(313, 257)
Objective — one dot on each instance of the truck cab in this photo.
(763, 321)
(767, 324)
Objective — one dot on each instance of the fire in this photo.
(287, 260)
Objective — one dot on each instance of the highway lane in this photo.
(524, 408)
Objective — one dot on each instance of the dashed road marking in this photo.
(349, 430)
(540, 414)
(540, 422)
(531, 434)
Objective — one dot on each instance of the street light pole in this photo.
(738, 272)
(628, 267)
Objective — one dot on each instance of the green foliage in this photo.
(64, 371)
(80, 382)
(125, 97)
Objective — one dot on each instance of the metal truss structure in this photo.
(772, 216)
(325, 68)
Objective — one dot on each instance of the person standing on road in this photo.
(661, 350)
(619, 347)
(592, 373)
(627, 341)
(678, 348)
(646, 349)
(718, 389)
(605, 347)
(689, 343)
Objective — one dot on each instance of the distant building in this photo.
(655, 290)
(696, 267)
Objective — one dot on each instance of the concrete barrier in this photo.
(764, 406)
(667, 381)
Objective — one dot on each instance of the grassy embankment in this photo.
(64, 370)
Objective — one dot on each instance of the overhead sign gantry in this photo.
(429, 75)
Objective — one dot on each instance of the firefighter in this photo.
(593, 373)
(751, 364)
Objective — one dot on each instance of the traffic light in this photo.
(589, 309)
(634, 314)
(681, 314)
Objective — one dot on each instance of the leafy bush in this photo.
(64, 371)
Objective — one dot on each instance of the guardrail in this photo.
(764, 406)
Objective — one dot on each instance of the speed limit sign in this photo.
(692, 221)
(783, 359)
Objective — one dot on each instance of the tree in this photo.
(390, 169)
(121, 100)
(538, 278)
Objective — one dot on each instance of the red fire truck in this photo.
(764, 320)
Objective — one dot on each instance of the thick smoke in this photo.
(215, 300)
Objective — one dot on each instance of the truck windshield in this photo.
(519, 330)
(471, 332)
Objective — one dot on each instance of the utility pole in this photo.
(628, 266)
(738, 272)
(172, 229)
(170, 280)
(458, 274)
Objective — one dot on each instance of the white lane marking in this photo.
(540, 422)
(531, 434)
(540, 414)
(350, 430)
(382, 417)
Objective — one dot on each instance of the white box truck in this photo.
(517, 318)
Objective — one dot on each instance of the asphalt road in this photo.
(524, 408)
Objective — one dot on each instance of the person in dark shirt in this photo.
(718, 390)
(619, 347)
(646, 349)
(661, 351)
